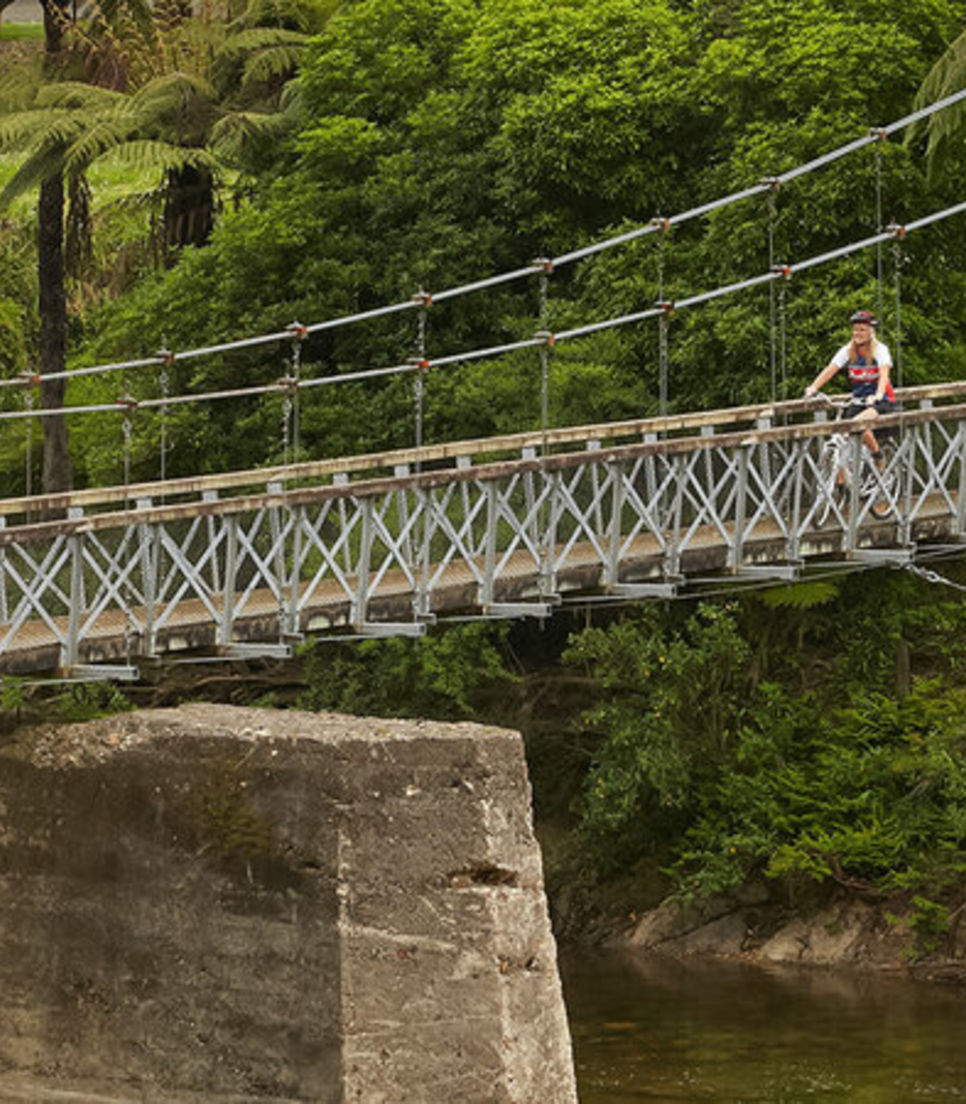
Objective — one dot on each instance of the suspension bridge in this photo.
(100, 582)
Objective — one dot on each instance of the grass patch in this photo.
(17, 32)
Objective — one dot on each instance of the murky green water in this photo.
(656, 1030)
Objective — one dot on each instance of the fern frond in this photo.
(35, 130)
(152, 155)
(76, 96)
(97, 138)
(804, 595)
(41, 165)
(272, 64)
(235, 135)
(19, 84)
(260, 38)
(172, 90)
(945, 128)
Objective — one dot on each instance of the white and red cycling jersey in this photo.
(863, 373)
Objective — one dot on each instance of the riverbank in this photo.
(918, 937)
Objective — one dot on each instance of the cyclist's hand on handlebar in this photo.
(810, 392)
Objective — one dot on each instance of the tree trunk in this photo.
(57, 473)
(189, 208)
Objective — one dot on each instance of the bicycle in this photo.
(834, 474)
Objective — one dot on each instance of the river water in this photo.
(655, 1030)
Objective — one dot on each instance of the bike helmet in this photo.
(866, 317)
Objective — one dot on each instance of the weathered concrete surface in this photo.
(213, 903)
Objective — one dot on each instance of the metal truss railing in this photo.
(93, 592)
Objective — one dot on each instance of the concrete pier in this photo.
(213, 903)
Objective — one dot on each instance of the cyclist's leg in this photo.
(867, 415)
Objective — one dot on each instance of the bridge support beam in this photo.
(886, 557)
(237, 650)
(626, 591)
(518, 609)
(103, 672)
(788, 573)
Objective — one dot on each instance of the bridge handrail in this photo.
(433, 454)
(156, 514)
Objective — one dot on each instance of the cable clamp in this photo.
(661, 223)
(423, 299)
(128, 403)
(666, 305)
(782, 270)
(420, 362)
(546, 337)
(165, 356)
(774, 183)
(879, 132)
(897, 230)
(287, 383)
(29, 379)
(543, 264)
(297, 331)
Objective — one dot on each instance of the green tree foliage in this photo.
(438, 676)
(443, 140)
(724, 775)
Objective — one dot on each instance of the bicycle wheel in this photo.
(882, 482)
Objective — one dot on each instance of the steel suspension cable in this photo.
(423, 299)
(876, 134)
(892, 233)
(897, 278)
(772, 307)
(878, 228)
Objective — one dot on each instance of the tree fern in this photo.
(943, 132)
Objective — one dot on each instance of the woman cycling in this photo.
(869, 363)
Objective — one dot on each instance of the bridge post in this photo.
(422, 566)
(741, 498)
(75, 543)
(489, 548)
(906, 462)
(548, 536)
(855, 463)
(612, 567)
(361, 601)
(149, 541)
(212, 496)
(292, 615)
(961, 491)
(224, 630)
(4, 609)
(672, 554)
(795, 525)
(275, 524)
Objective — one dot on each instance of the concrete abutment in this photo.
(214, 903)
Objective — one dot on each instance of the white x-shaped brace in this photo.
(42, 580)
